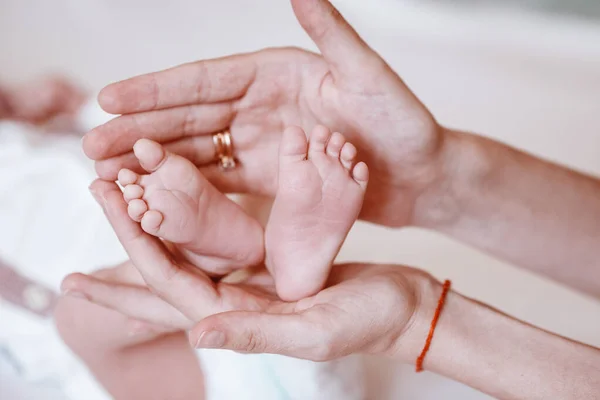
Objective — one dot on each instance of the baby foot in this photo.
(320, 195)
(175, 202)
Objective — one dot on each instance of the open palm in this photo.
(349, 88)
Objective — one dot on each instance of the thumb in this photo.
(294, 335)
(343, 49)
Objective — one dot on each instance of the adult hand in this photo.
(366, 308)
(349, 88)
(121, 352)
(377, 309)
(83, 324)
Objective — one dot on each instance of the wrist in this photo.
(461, 167)
(495, 353)
(410, 340)
(462, 347)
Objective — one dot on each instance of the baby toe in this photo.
(136, 209)
(131, 192)
(348, 155)
(127, 177)
(293, 143)
(335, 144)
(318, 139)
(151, 221)
(360, 173)
(149, 153)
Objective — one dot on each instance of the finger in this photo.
(227, 182)
(251, 176)
(200, 150)
(133, 301)
(340, 45)
(305, 335)
(236, 181)
(78, 321)
(210, 81)
(193, 294)
(254, 177)
(120, 134)
(137, 328)
(122, 273)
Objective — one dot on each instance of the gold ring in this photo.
(224, 149)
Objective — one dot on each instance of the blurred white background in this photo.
(529, 79)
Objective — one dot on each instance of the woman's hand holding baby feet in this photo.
(358, 312)
(321, 191)
(176, 203)
(256, 96)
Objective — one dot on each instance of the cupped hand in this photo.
(349, 89)
(84, 325)
(365, 308)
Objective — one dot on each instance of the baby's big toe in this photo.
(149, 153)
(293, 145)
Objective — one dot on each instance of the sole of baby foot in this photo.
(175, 202)
(320, 194)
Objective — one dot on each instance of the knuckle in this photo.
(136, 121)
(321, 32)
(289, 49)
(154, 92)
(188, 126)
(253, 342)
(162, 281)
(203, 82)
(325, 350)
(333, 21)
(386, 286)
(335, 15)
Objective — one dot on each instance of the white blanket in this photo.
(49, 227)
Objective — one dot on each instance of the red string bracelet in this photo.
(436, 316)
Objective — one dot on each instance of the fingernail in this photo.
(74, 293)
(211, 340)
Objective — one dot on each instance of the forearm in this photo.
(164, 368)
(536, 214)
(501, 356)
(129, 367)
